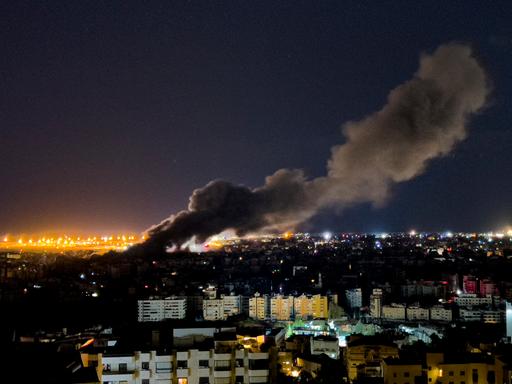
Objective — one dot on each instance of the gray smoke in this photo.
(424, 118)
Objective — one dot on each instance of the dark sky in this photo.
(112, 112)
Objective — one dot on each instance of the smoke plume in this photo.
(423, 118)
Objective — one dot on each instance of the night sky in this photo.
(111, 113)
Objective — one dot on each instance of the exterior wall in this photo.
(417, 313)
(158, 310)
(190, 367)
(461, 373)
(213, 309)
(354, 297)
(393, 312)
(376, 303)
(440, 314)
(401, 374)
(281, 307)
(232, 305)
(259, 307)
(329, 346)
(311, 306)
(468, 299)
(367, 354)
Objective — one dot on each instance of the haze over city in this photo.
(113, 114)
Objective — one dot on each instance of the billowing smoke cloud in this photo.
(424, 118)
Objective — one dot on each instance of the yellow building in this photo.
(281, 307)
(473, 368)
(470, 368)
(320, 306)
(396, 371)
(307, 307)
(366, 354)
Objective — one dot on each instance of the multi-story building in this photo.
(393, 312)
(281, 307)
(354, 298)
(469, 284)
(376, 303)
(397, 371)
(307, 307)
(365, 355)
(423, 288)
(460, 369)
(441, 369)
(328, 345)
(492, 316)
(417, 313)
(221, 309)
(191, 366)
(487, 288)
(213, 309)
(439, 313)
(232, 305)
(470, 315)
(259, 307)
(472, 299)
(162, 309)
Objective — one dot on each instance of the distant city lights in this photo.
(65, 242)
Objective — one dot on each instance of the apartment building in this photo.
(191, 366)
(161, 309)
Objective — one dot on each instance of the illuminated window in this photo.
(182, 380)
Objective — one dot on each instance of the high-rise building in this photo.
(232, 304)
(213, 309)
(354, 298)
(376, 303)
(281, 307)
(417, 313)
(439, 313)
(393, 312)
(315, 306)
(162, 309)
(191, 366)
(259, 307)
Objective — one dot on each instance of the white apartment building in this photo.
(492, 316)
(417, 313)
(376, 303)
(481, 315)
(213, 309)
(232, 305)
(161, 309)
(354, 297)
(470, 314)
(221, 309)
(325, 344)
(393, 312)
(259, 307)
(471, 299)
(188, 367)
(439, 313)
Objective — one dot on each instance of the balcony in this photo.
(118, 376)
(222, 373)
